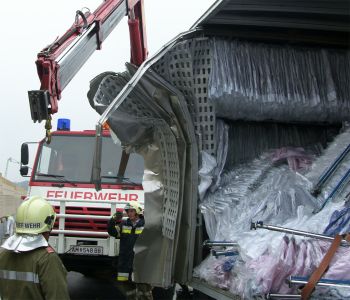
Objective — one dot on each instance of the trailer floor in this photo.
(211, 291)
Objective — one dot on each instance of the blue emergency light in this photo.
(63, 124)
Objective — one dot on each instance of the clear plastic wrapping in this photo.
(253, 81)
(271, 166)
(249, 140)
(268, 189)
(217, 271)
(260, 191)
(333, 151)
(221, 151)
(206, 173)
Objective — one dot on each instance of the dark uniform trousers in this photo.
(128, 233)
(34, 275)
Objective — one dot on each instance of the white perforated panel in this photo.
(187, 66)
(171, 176)
(139, 107)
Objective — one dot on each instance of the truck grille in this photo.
(91, 224)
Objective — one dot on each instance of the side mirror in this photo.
(24, 154)
(24, 170)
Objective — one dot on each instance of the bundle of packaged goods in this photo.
(286, 170)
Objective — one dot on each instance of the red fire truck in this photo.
(62, 174)
(62, 168)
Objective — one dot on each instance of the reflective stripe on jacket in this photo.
(128, 236)
(38, 274)
(123, 276)
(19, 276)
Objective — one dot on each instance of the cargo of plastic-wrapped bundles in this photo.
(276, 189)
(248, 140)
(257, 81)
(284, 164)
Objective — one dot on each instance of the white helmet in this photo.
(35, 216)
(133, 205)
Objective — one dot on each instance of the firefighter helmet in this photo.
(35, 216)
(133, 205)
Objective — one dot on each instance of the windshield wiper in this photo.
(60, 177)
(120, 179)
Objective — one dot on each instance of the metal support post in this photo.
(218, 253)
(323, 237)
(337, 189)
(283, 296)
(316, 190)
(209, 243)
(61, 239)
(111, 250)
(299, 280)
(10, 159)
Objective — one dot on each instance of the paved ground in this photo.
(90, 288)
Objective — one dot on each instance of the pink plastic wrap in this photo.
(340, 265)
(297, 158)
(276, 195)
(212, 271)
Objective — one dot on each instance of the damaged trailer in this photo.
(241, 119)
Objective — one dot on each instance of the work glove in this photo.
(117, 228)
(118, 216)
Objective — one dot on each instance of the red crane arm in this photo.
(58, 63)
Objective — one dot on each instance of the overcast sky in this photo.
(28, 26)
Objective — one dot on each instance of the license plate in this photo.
(86, 250)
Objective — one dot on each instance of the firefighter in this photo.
(128, 230)
(29, 267)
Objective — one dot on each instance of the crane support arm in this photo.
(59, 62)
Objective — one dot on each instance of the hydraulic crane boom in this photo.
(58, 63)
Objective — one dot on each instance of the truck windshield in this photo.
(70, 157)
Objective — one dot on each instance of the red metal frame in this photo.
(84, 224)
(137, 32)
